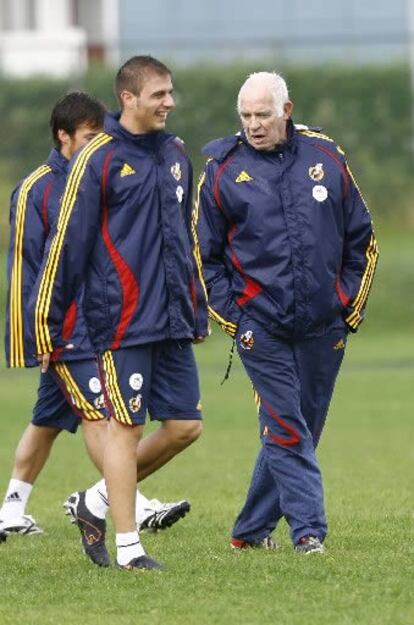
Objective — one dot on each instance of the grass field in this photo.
(366, 577)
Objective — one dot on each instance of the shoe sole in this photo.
(148, 565)
(22, 530)
(169, 518)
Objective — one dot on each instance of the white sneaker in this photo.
(163, 515)
(21, 525)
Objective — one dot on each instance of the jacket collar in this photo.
(220, 149)
(151, 141)
(57, 161)
(290, 145)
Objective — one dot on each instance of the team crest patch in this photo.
(135, 403)
(95, 385)
(265, 431)
(339, 345)
(247, 340)
(127, 170)
(136, 381)
(316, 172)
(176, 171)
(319, 192)
(243, 177)
(179, 193)
(99, 402)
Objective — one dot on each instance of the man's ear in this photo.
(63, 137)
(127, 99)
(287, 110)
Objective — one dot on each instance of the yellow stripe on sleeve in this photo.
(16, 295)
(358, 304)
(194, 221)
(228, 327)
(43, 340)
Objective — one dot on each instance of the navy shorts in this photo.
(160, 377)
(67, 393)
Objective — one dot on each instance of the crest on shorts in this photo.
(316, 172)
(99, 402)
(136, 381)
(95, 385)
(135, 403)
(339, 345)
(247, 340)
(176, 171)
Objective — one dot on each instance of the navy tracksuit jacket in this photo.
(289, 256)
(125, 229)
(33, 209)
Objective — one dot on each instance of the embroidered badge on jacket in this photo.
(127, 170)
(243, 177)
(176, 171)
(316, 172)
(319, 193)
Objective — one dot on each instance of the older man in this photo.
(289, 256)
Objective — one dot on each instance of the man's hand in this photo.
(44, 359)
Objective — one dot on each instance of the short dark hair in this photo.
(73, 110)
(133, 73)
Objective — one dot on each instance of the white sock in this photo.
(128, 547)
(15, 501)
(143, 508)
(96, 499)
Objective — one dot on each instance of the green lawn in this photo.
(367, 458)
(366, 577)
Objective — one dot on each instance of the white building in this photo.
(60, 37)
(56, 37)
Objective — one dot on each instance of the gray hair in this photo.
(273, 82)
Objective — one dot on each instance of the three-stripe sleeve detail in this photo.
(16, 281)
(194, 221)
(371, 254)
(43, 339)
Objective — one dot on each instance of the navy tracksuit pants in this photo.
(293, 382)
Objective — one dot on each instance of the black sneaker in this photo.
(3, 536)
(268, 544)
(143, 563)
(92, 529)
(164, 515)
(309, 544)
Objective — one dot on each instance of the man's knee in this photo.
(183, 433)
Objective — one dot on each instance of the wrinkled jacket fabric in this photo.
(285, 235)
(124, 228)
(33, 210)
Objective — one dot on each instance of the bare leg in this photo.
(160, 446)
(95, 437)
(153, 451)
(33, 451)
(120, 471)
